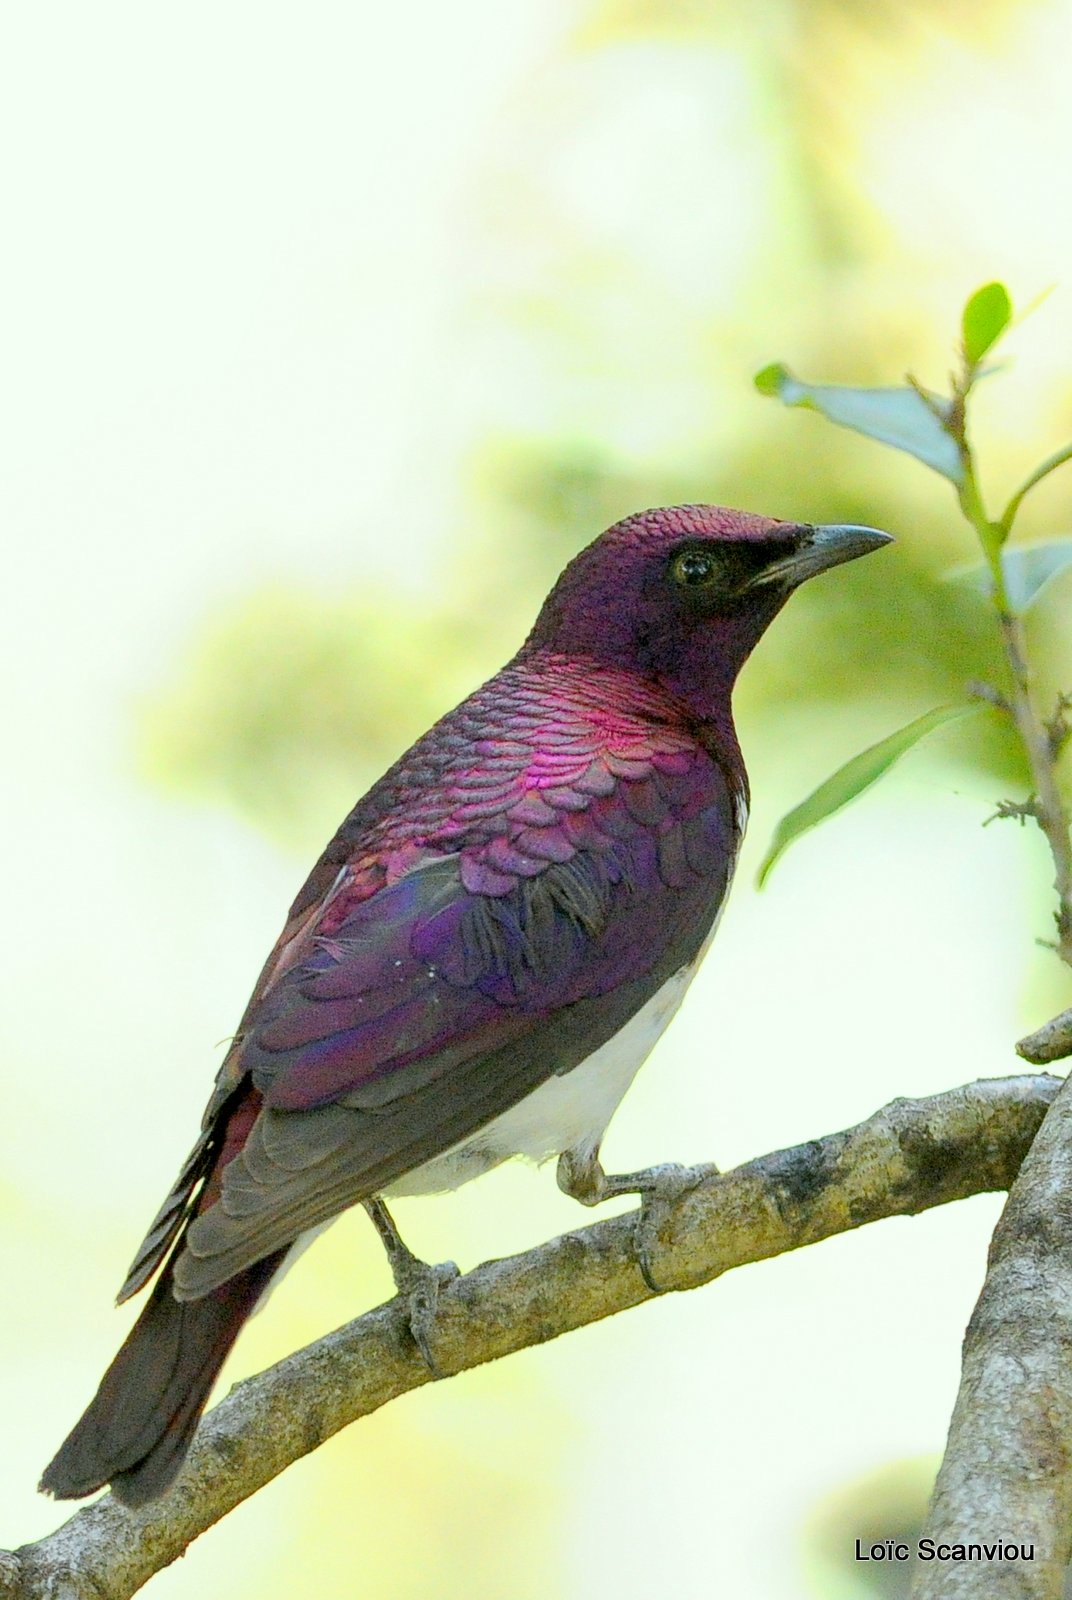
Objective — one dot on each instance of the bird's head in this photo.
(685, 592)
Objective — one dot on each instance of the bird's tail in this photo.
(137, 1429)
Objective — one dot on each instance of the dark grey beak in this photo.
(821, 547)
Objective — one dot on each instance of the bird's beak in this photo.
(821, 547)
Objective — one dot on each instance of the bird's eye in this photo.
(693, 567)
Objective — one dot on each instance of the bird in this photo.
(478, 963)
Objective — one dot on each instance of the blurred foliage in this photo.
(292, 701)
(691, 19)
(293, 697)
(935, 429)
(889, 1503)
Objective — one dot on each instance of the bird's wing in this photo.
(398, 1020)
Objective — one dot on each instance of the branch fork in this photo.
(910, 1156)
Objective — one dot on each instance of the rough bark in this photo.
(1051, 1042)
(1007, 1472)
(908, 1157)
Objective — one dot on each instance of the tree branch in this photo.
(1007, 1472)
(1049, 807)
(1040, 741)
(1051, 1042)
(908, 1157)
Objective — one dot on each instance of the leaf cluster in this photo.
(934, 429)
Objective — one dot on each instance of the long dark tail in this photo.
(137, 1429)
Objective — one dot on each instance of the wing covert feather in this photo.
(488, 916)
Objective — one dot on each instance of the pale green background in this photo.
(329, 332)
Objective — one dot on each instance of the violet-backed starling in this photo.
(480, 960)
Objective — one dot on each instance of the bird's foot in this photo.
(417, 1282)
(581, 1176)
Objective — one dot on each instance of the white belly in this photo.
(566, 1112)
(570, 1112)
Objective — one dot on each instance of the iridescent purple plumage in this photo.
(512, 911)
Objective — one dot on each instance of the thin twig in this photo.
(1058, 727)
(1049, 807)
(980, 690)
(908, 1157)
(1039, 746)
(1019, 810)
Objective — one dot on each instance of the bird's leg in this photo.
(581, 1176)
(417, 1282)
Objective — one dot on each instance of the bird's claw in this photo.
(419, 1283)
(659, 1194)
(660, 1188)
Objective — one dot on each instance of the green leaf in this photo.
(852, 779)
(1029, 571)
(986, 316)
(1059, 458)
(904, 418)
(1031, 568)
(769, 380)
